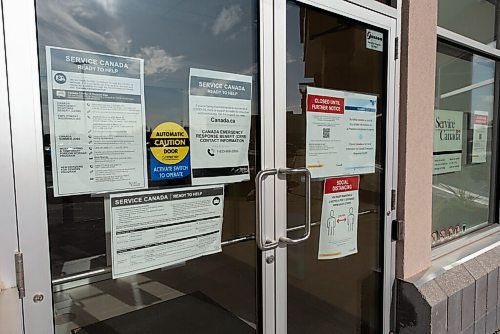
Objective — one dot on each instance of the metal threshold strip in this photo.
(248, 237)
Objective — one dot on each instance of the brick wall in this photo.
(463, 299)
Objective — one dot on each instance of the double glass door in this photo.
(271, 102)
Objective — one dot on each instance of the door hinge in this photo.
(393, 199)
(396, 48)
(18, 256)
(398, 230)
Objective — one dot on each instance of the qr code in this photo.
(326, 133)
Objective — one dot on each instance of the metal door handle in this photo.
(263, 243)
(307, 226)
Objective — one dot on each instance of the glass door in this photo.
(144, 142)
(178, 42)
(203, 166)
(334, 113)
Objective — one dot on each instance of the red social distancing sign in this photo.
(341, 184)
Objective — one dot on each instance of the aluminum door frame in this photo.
(27, 149)
(268, 153)
(8, 236)
(385, 22)
(28, 158)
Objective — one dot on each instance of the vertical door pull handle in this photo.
(307, 227)
(262, 242)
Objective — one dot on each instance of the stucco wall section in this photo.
(418, 62)
(10, 312)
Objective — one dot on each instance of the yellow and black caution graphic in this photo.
(169, 157)
(169, 143)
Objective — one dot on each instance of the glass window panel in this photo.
(172, 37)
(341, 295)
(475, 19)
(464, 88)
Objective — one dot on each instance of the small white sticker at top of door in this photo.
(374, 40)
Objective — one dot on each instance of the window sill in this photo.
(456, 252)
(464, 243)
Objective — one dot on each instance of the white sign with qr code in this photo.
(341, 132)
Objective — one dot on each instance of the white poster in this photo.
(479, 136)
(341, 132)
(220, 106)
(448, 134)
(97, 122)
(338, 236)
(155, 229)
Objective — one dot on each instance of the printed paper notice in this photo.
(479, 136)
(338, 236)
(97, 122)
(448, 130)
(220, 106)
(155, 229)
(341, 132)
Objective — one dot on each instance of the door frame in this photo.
(267, 140)
(385, 22)
(28, 161)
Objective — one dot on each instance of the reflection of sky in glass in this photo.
(294, 59)
(483, 70)
(471, 18)
(464, 81)
(171, 36)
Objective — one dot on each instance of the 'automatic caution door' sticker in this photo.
(169, 144)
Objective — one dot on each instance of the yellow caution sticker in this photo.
(169, 143)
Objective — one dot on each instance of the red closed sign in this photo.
(480, 119)
(326, 104)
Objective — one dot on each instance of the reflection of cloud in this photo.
(157, 60)
(110, 6)
(227, 19)
(62, 25)
(251, 70)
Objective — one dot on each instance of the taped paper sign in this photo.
(448, 135)
(220, 106)
(97, 122)
(155, 229)
(338, 236)
(341, 132)
(479, 136)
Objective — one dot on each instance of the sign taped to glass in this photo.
(479, 136)
(341, 132)
(96, 113)
(154, 229)
(338, 235)
(220, 106)
(448, 136)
